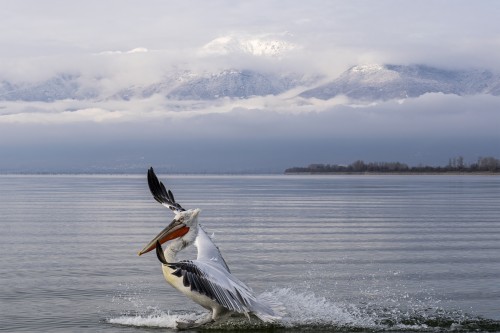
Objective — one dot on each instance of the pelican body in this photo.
(206, 280)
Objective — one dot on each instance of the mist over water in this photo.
(349, 253)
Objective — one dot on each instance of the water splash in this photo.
(156, 319)
(306, 310)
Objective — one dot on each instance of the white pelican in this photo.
(206, 280)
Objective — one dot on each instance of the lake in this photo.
(341, 252)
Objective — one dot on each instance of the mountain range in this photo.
(365, 83)
(385, 82)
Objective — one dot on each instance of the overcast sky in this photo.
(134, 41)
(337, 33)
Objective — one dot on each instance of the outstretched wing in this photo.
(215, 284)
(211, 280)
(161, 194)
(207, 250)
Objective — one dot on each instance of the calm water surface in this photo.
(404, 253)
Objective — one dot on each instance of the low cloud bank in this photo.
(257, 135)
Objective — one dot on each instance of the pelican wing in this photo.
(161, 194)
(208, 251)
(209, 279)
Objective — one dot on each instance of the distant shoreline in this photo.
(368, 173)
(347, 173)
(456, 166)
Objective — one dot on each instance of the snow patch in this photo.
(269, 46)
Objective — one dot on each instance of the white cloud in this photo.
(432, 111)
(95, 115)
(134, 50)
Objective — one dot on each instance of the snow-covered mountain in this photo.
(230, 83)
(176, 85)
(364, 83)
(266, 45)
(61, 86)
(171, 80)
(385, 82)
(235, 84)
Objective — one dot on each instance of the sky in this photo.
(132, 43)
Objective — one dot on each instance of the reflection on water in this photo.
(343, 252)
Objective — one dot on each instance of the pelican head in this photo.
(183, 227)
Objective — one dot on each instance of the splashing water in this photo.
(157, 319)
(305, 310)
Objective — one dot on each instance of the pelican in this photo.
(206, 280)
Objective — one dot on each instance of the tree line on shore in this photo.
(483, 165)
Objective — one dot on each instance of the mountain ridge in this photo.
(386, 82)
(364, 83)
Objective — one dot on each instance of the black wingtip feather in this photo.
(160, 254)
(171, 195)
(160, 193)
